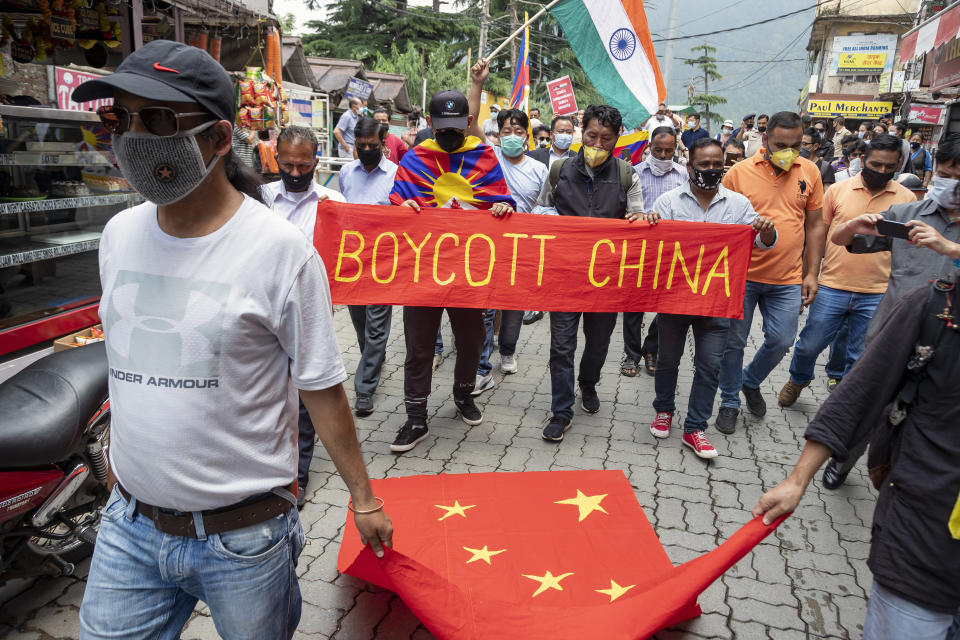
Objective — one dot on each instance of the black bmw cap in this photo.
(449, 110)
(168, 71)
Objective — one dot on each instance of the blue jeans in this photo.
(891, 617)
(829, 311)
(780, 305)
(597, 329)
(710, 338)
(837, 363)
(145, 584)
(510, 323)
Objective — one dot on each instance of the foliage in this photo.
(288, 24)
(707, 65)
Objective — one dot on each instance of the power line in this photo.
(744, 26)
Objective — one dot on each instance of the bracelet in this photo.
(363, 513)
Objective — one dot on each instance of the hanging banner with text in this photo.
(468, 258)
(562, 100)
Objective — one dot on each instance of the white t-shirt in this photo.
(524, 180)
(208, 340)
(299, 208)
(656, 124)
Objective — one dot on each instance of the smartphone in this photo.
(893, 229)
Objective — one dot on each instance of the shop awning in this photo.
(295, 65)
(333, 74)
(392, 89)
(931, 33)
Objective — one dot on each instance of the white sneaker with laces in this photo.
(508, 364)
(483, 383)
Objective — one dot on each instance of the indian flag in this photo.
(612, 42)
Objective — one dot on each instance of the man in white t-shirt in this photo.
(216, 313)
(295, 197)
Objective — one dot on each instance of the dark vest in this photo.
(577, 194)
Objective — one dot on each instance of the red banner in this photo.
(562, 100)
(67, 80)
(470, 259)
(578, 558)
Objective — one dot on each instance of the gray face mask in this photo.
(163, 170)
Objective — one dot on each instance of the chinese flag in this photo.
(556, 554)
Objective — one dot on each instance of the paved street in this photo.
(808, 580)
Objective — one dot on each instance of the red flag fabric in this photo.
(515, 556)
(393, 255)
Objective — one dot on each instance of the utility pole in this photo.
(668, 51)
(484, 28)
(514, 23)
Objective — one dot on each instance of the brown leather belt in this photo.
(236, 516)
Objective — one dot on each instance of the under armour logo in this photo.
(194, 346)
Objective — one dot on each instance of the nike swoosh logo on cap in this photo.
(158, 67)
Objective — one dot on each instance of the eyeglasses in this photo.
(160, 121)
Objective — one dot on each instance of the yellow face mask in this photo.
(784, 158)
(594, 156)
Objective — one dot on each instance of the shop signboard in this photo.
(319, 108)
(358, 88)
(88, 23)
(63, 28)
(819, 108)
(945, 70)
(562, 100)
(301, 112)
(863, 55)
(66, 81)
(927, 114)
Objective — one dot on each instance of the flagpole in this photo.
(516, 33)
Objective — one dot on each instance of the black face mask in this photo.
(762, 128)
(805, 153)
(874, 179)
(296, 183)
(708, 179)
(449, 140)
(369, 157)
(914, 145)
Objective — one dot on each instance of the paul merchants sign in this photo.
(848, 109)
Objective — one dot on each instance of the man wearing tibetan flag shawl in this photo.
(451, 170)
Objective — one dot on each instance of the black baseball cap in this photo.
(168, 71)
(749, 116)
(449, 110)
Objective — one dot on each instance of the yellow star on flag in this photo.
(586, 504)
(482, 554)
(456, 509)
(547, 581)
(615, 590)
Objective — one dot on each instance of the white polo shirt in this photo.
(299, 208)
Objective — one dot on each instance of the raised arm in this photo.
(478, 76)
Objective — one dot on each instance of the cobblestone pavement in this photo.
(808, 580)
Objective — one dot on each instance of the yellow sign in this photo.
(862, 63)
(848, 109)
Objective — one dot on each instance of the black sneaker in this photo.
(727, 420)
(363, 405)
(755, 402)
(469, 412)
(408, 437)
(589, 400)
(555, 429)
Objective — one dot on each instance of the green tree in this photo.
(288, 24)
(707, 64)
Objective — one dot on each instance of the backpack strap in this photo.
(555, 172)
(626, 174)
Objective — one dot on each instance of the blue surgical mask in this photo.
(563, 140)
(943, 191)
(513, 146)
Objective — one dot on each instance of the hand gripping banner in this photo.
(468, 258)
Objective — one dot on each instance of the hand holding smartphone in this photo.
(893, 229)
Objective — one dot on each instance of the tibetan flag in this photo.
(521, 556)
(470, 177)
(629, 147)
(521, 75)
(612, 42)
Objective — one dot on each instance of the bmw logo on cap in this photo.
(449, 105)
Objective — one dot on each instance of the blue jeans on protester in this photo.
(710, 339)
(837, 361)
(510, 323)
(780, 305)
(890, 617)
(145, 584)
(829, 311)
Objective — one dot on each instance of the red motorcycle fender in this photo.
(24, 489)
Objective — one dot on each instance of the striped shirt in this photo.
(654, 186)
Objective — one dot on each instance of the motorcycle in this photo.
(54, 435)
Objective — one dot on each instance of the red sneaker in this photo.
(700, 445)
(660, 427)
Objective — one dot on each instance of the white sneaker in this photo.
(483, 383)
(508, 364)
(437, 360)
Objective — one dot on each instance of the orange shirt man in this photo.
(788, 190)
(851, 285)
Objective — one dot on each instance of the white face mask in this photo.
(659, 167)
(855, 166)
(943, 191)
(726, 131)
(691, 123)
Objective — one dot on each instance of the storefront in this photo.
(59, 184)
(855, 109)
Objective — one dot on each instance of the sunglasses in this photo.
(160, 121)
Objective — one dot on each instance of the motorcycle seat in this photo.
(45, 408)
